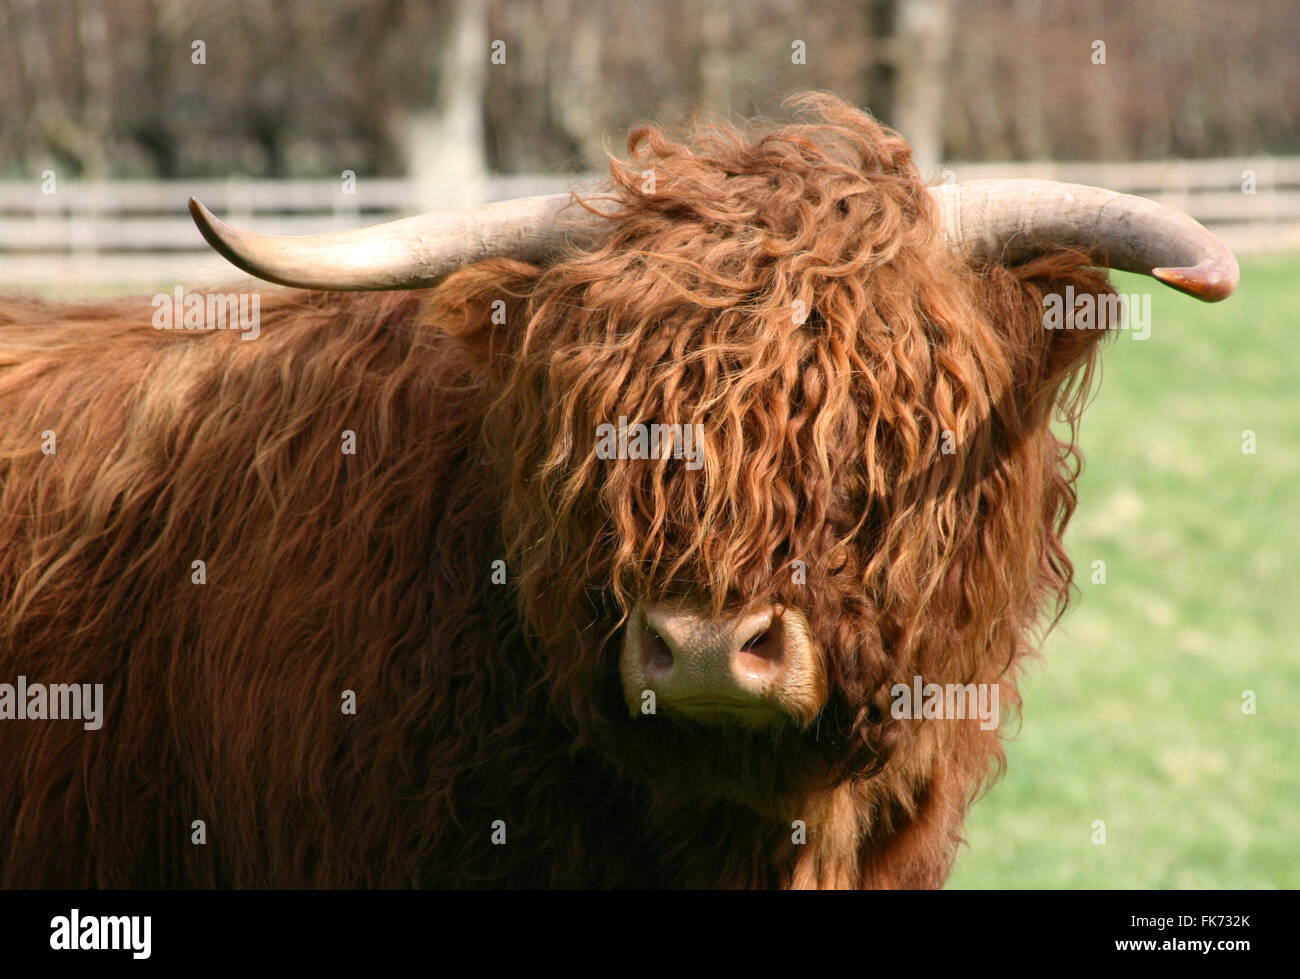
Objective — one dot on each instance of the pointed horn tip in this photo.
(1211, 281)
(201, 215)
(217, 233)
(206, 222)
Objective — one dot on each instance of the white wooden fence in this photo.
(123, 236)
(129, 235)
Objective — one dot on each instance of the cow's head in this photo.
(853, 480)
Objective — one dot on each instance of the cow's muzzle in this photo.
(758, 668)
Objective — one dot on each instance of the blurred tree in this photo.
(921, 37)
(301, 87)
(445, 143)
(71, 121)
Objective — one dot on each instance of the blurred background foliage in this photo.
(108, 88)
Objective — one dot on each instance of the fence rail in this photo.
(127, 234)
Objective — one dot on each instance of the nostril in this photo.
(760, 654)
(657, 656)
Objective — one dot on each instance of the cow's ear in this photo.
(1053, 311)
(486, 308)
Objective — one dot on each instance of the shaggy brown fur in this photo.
(476, 442)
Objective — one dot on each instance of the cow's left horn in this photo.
(1008, 221)
(404, 254)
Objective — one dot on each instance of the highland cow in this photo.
(476, 650)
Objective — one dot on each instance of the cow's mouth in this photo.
(708, 752)
(724, 710)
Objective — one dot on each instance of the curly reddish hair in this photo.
(872, 408)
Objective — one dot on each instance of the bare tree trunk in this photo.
(714, 58)
(575, 89)
(923, 38)
(447, 158)
(97, 81)
(50, 122)
(159, 133)
(881, 67)
(1030, 114)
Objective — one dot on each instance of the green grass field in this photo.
(1133, 716)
